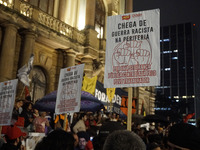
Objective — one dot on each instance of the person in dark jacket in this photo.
(27, 113)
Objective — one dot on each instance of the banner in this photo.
(89, 84)
(69, 89)
(110, 93)
(133, 50)
(7, 100)
(100, 94)
(23, 72)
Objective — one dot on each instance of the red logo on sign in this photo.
(127, 17)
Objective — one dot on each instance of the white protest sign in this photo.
(7, 100)
(69, 89)
(133, 50)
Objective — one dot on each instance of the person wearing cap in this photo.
(13, 136)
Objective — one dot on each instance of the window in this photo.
(100, 18)
(173, 58)
(167, 69)
(39, 83)
(45, 5)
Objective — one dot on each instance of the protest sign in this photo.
(7, 99)
(33, 139)
(69, 89)
(133, 50)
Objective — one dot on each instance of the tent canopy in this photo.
(88, 102)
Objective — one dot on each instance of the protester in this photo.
(80, 125)
(184, 135)
(90, 121)
(28, 115)
(17, 109)
(105, 130)
(113, 117)
(35, 113)
(124, 140)
(99, 120)
(74, 120)
(84, 141)
(41, 123)
(14, 138)
(154, 146)
(57, 140)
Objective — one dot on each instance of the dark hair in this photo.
(82, 115)
(83, 134)
(153, 146)
(57, 139)
(124, 139)
(28, 98)
(26, 105)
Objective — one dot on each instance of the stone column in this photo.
(28, 47)
(90, 13)
(129, 6)
(88, 69)
(62, 10)
(70, 58)
(8, 53)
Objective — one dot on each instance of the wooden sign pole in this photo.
(129, 114)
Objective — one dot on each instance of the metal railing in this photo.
(45, 19)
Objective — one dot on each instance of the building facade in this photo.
(176, 94)
(60, 33)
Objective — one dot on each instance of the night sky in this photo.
(172, 11)
(176, 12)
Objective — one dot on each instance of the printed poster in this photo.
(69, 89)
(7, 100)
(133, 50)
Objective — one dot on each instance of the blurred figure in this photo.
(17, 109)
(124, 140)
(14, 138)
(57, 140)
(99, 120)
(80, 125)
(105, 130)
(84, 142)
(74, 120)
(28, 115)
(40, 123)
(184, 136)
(90, 122)
(113, 117)
(35, 113)
(154, 146)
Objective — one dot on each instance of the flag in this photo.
(189, 116)
(110, 93)
(23, 72)
(27, 93)
(89, 84)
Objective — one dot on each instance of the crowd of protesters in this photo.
(93, 131)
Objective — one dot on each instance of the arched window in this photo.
(100, 18)
(45, 5)
(38, 83)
